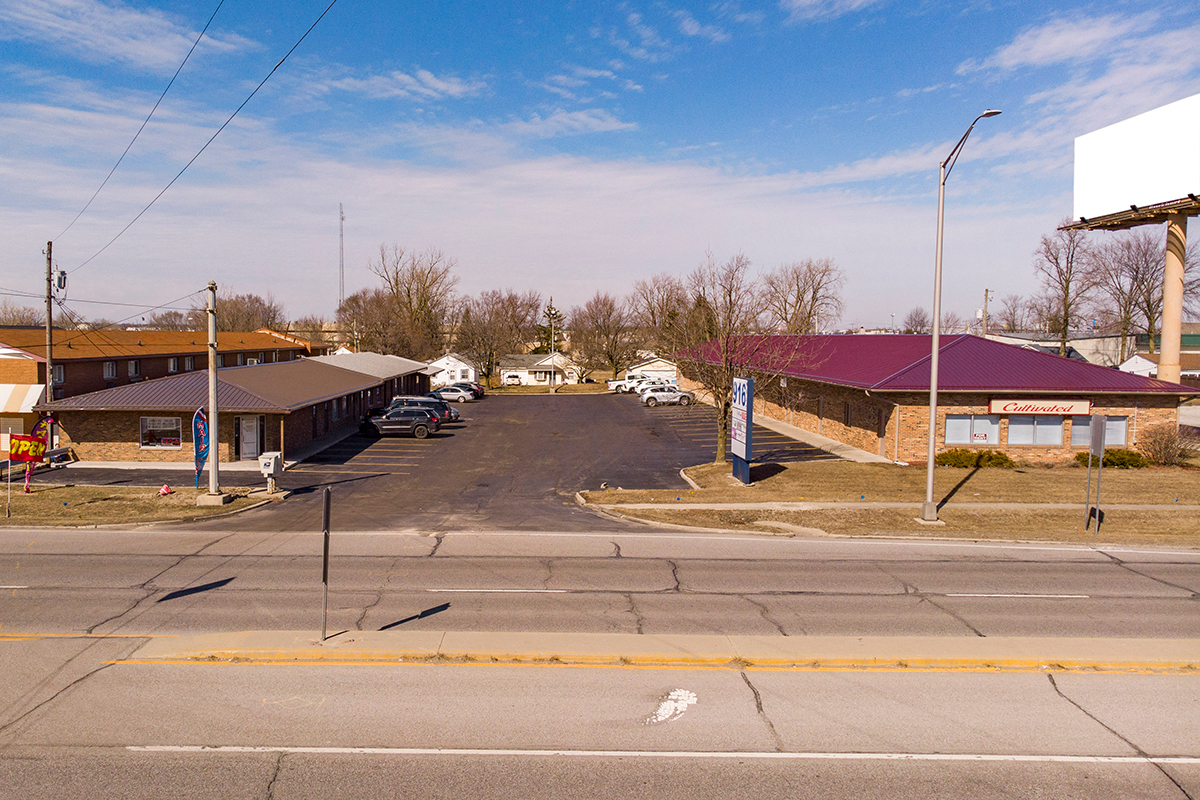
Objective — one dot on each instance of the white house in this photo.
(655, 367)
(1146, 365)
(534, 369)
(454, 368)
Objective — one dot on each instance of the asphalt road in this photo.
(631, 582)
(78, 719)
(513, 463)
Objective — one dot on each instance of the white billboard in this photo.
(1148, 159)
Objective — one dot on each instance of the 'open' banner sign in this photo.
(26, 448)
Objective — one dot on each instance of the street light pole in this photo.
(929, 509)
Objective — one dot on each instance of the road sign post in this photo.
(1095, 450)
(741, 427)
(325, 562)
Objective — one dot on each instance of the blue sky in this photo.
(564, 147)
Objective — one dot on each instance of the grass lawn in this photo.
(843, 481)
(105, 505)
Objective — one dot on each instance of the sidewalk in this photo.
(870, 505)
(716, 651)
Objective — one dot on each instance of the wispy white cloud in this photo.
(1063, 40)
(423, 85)
(690, 26)
(110, 32)
(645, 43)
(805, 10)
(576, 84)
(566, 123)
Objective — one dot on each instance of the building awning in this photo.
(19, 398)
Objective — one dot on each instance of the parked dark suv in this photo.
(440, 408)
(417, 421)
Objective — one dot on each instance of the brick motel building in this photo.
(872, 392)
(288, 406)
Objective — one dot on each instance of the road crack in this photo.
(1136, 748)
(758, 705)
(275, 776)
(637, 614)
(765, 613)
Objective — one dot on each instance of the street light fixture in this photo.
(929, 509)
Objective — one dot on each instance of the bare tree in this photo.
(21, 316)
(170, 321)
(1116, 274)
(952, 323)
(1061, 261)
(495, 323)
(421, 288)
(240, 312)
(310, 327)
(917, 321)
(603, 335)
(803, 296)
(1014, 313)
(368, 320)
(657, 306)
(716, 330)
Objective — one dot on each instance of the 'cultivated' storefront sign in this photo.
(1064, 407)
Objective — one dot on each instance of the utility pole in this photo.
(214, 496)
(341, 256)
(49, 323)
(986, 294)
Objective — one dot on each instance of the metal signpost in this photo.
(741, 427)
(1095, 450)
(325, 562)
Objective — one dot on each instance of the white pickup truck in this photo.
(627, 383)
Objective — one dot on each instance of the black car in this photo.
(419, 422)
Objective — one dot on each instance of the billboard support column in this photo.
(1172, 311)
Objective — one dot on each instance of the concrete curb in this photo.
(968, 653)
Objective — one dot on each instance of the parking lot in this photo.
(514, 462)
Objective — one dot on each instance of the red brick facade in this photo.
(897, 426)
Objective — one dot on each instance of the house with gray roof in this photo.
(533, 369)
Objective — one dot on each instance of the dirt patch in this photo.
(104, 505)
(844, 481)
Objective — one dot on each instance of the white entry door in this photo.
(249, 437)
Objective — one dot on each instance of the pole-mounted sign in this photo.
(741, 427)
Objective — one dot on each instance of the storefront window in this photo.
(973, 429)
(1115, 431)
(1035, 430)
(161, 432)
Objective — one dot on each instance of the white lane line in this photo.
(453, 751)
(1051, 596)
(14, 587)
(502, 591)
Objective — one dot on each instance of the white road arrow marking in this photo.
(672, 706)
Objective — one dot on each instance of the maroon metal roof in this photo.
(900, 363)
(263, 388)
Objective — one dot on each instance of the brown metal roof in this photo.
(263, 388)
(85, 344)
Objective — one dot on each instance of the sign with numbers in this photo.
(742, 417)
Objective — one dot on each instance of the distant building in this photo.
(1146, 365)
(872, 392)
(454, 368)
(531, 369)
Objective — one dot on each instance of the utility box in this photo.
(271, 464)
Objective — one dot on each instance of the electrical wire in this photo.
(210, 141)
(144, 122)
(77, 320)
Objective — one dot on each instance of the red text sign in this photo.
(1066, 407)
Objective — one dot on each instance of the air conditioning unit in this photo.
(250, 362)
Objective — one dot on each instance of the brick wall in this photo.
(897, 427)
(20, 370)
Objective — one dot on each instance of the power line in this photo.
(210, 141)
(84, 332)
(14, 293)
(144, 122)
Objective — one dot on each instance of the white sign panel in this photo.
(1151, 158)
(1065, 407)
(742, 417)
